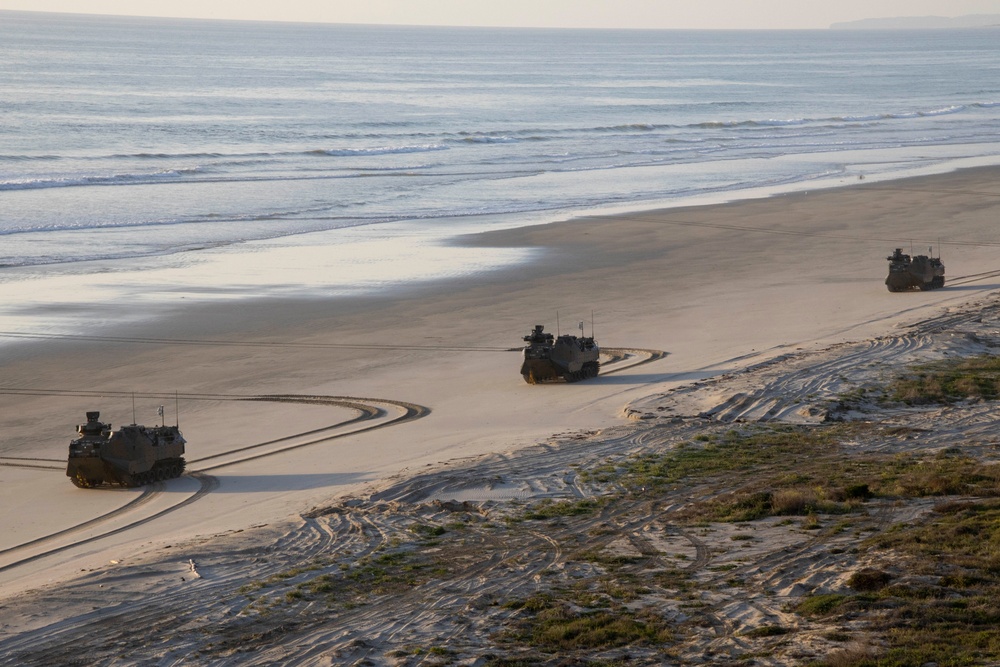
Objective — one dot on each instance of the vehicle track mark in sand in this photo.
(208, 484)
(779, 389)
(484, 578)
(703, 555)
(148, 493)
(768, 403)
(253, 343)
(626, 526)
(770, 569)
(166, 609)
(365, 412)
(624, 358)
(367, 408)
(21, 462)
(971, 278)
(795, 387)
(387, 619)
(479, 579)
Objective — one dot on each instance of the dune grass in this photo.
(948, 381)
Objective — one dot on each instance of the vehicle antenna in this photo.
(177, 410)
(592, 323)
(133, 408)
(557, 324)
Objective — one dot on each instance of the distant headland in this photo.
(921, 22)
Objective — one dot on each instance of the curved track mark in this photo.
(365, 407)
(625, 355)
(410, 412)
(147, 494)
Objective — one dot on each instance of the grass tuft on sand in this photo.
(948, 381)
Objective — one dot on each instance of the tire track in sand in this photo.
(368, 409)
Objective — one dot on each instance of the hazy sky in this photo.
(745, 14)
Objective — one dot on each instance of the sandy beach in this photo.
(696, 302)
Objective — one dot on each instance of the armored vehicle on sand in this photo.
(548, 358)
(131, 456)
(919, 272)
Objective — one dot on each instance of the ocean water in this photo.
(129, 143)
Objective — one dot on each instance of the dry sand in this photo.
(790, 285)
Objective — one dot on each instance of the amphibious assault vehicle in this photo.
(131, 456)
(548, 358)
(919, 272)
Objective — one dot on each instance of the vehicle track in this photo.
(147, 494)
(972, 278)
(380, 622)
(111, 627)
(13, 462)
(539, 550)
(751, 407)
(794, 386)
(208, 484)
(634, 357)
(491, 577)
(492, 566)
(368, 409)
(252, 343)
(356, 531)
(775, 395)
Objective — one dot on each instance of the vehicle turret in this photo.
(133, 455)
(548, 358)
(922, 272)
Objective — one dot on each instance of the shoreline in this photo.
(293, 269)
